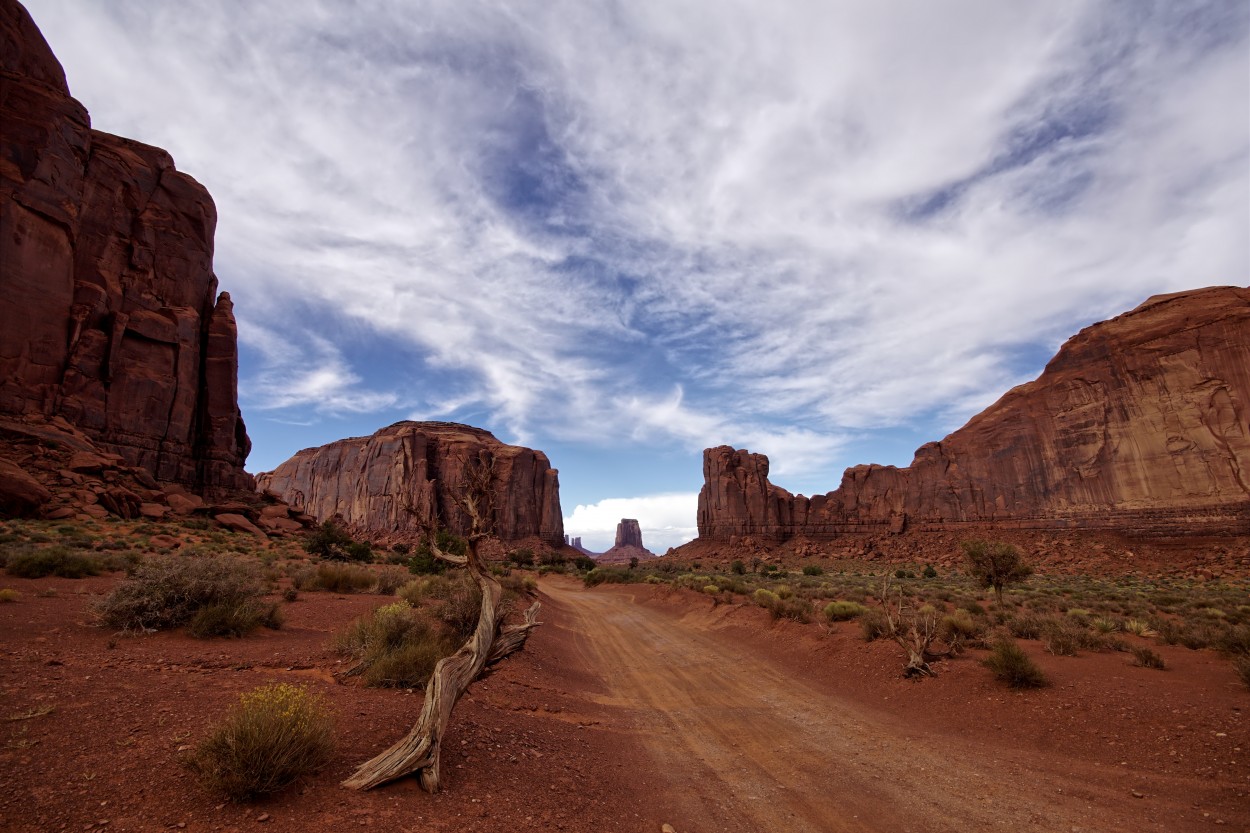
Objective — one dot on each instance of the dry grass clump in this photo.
(57, 560)
(1241, 665)
(1012, 665)
(8, 594)
(784, 607)
(1146, 658)
(389, 580)
(335, 577)
(275, 735)
(169, 591)
(395, 646)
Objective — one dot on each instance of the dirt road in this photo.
(749, 747)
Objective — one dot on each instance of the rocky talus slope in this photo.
(1138, 425)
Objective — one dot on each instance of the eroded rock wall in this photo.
(406, 479)
(1139, 424)
(109, 312)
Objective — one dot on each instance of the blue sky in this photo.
(624, 232)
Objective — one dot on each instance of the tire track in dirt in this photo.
(747, 747)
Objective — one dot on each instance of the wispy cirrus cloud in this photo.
(659, 225)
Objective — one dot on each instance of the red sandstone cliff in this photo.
(109, 313)
(1139, 424)
(405, 480)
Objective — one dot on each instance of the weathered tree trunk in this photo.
(419, 750)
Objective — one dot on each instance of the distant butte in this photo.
(1139, 425)
(628, 545)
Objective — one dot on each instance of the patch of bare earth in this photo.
(630, 707)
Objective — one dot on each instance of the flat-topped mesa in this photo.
(109, 313)
(1138, 425)
(628, 533)
(406, 480)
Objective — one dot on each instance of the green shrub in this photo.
(522, 557)
(390, 580)
(995, 564)
(1235, 641)
(275, 735)
(329, 541)
(960, 628)
(1146, 658)
(1011, 665)
(461, 609)
(766, 598)
(335, 578)
(1061, 641)
(394, 646)
(1026, 626)
(1241, 665)
(929, 572)
(52, 561)
(841, 611)
(737, 567)
(8, 594)
(168, 591)
(813, 570)
(607, 575)
(711, 590)
(237, 617)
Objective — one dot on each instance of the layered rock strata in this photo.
(109, 312)
(406, 480)
(1139, 424)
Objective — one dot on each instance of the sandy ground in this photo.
(629, 708)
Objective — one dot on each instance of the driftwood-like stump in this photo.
(418, 751)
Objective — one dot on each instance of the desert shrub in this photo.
(329, 541)
(711, 590)
(737, 567)
(462, 608)
(52, 561)
(606, 575)
(783, 591)
(995, 564)
(1011, 665)
(236, 617)
(841, 611)
(390, 580)
(1061, 641)
(813, 570)
(1102, 624)
(394, 646)
(973, 606)
(960, 628)
(335, 578)
(766, 598)
(168, 591)
(275, 735)
(1026, 626)
(1137, 627)
(929, 572)
(8, 594)
(1241, 665)
(522, 557)
(1235, 641)
(1146, 658)
(290, 594)
(359, 551)
(873, 625)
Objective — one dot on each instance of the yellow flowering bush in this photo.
(275, 734)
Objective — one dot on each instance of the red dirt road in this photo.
(746, 745)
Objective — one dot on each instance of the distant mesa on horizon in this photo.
(405, 480)
(1139, 425)
(628, 545)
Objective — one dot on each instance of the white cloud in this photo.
(666, 520)
(693, 223)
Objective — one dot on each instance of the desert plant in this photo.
(1241, 665)
(168, 591)
(329, 541)
(813, 570)
(275, 735)
(1061, 641)
(737, 567)
(236, 617)
(390, 580)
(522, 557)
(335, 578)
(394, 646)
(841, 611)
(995, 564)
(606, 575)
(1010, 664)
(929, 572)
(959, 629)
(52, 561)
(1137, 627)
(8, 594)
(1146, 658)
(873, 625)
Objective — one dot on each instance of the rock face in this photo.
(109, 313)
(405, 480)
(1139, 424)
(628, 545)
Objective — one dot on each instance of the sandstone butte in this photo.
(405, 480)
(628, 545)
(1138, 425)
(110, 321)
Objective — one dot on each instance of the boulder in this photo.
(21, 496)
(1139, 424)
(406, 479)
(238, 523)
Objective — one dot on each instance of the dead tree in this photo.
(418, 752)
(914, 629)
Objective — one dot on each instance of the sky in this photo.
(623, 232)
